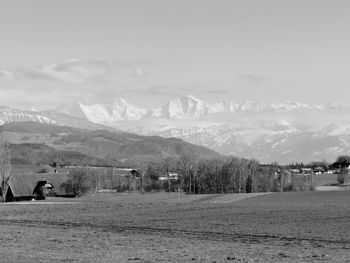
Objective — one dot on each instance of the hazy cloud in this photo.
(47, 86)
(215, 91)
(72, 72)
(6, 75)
(251, 79)
(150, 91)
(166, 91)
(71, 80)
(141, 74)
(80, 72)
(158, 90)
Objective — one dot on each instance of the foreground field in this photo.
(278, 227)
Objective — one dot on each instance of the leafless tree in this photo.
(77, 181)
(185, 167)
(5, 166)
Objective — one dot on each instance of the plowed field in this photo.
(277, 227)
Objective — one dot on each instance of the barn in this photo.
(38, 185)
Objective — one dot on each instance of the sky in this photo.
(150, 51)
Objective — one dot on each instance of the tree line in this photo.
(215, 176)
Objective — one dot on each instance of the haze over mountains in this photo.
(283, 132)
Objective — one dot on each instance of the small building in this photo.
(38, 186)
(306, 171)
(169, 176)
(294, 171)
(319, 170)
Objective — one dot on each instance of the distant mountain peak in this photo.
(120, 100)
(72, 108)
(184, 107)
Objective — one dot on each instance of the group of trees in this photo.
(226, 175)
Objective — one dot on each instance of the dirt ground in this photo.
(278, 227)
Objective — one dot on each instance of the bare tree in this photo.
(5, 166)
(185, 167)
(77, 181)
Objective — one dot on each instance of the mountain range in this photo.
(185, 107)
(44, 143)
(284, 132)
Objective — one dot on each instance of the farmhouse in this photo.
(169, 176)
(37, 186)
(319, 170)
(306, 171)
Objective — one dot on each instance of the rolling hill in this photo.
(119, 148)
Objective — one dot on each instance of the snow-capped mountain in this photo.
(8, 115)
(119, 110)
(284, 132)
(185, 107)
(277, 142)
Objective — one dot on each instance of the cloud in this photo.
(215, 91)
(251, 80)
(169, 92)
(72, 72)
(6, 75)
(156, 90)
(81, 72)
(47, 86)
(90, 80)
(141, 74)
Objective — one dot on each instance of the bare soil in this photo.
(278, 227)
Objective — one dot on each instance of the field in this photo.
(276, 227)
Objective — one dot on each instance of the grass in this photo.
(325, 179)
(278, 227)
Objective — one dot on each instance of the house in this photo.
(319, 170)
(306, 171)
(330, 171)
(38, 185)
(169, 176)
(294, 171)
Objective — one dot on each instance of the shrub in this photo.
(77, 181)
(341, 178)
(43, 170)
(288, 188)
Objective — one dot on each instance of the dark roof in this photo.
(24, 184)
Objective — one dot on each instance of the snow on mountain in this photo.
(222, 107)
(286, 132)
(72, 109)
(336, 129)
(13, 115)
(267, 132)
(218, 136)
(8, 115)
(281, 126)
(185, 107)
(250, 106)
(117, 111)
(289, 105)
